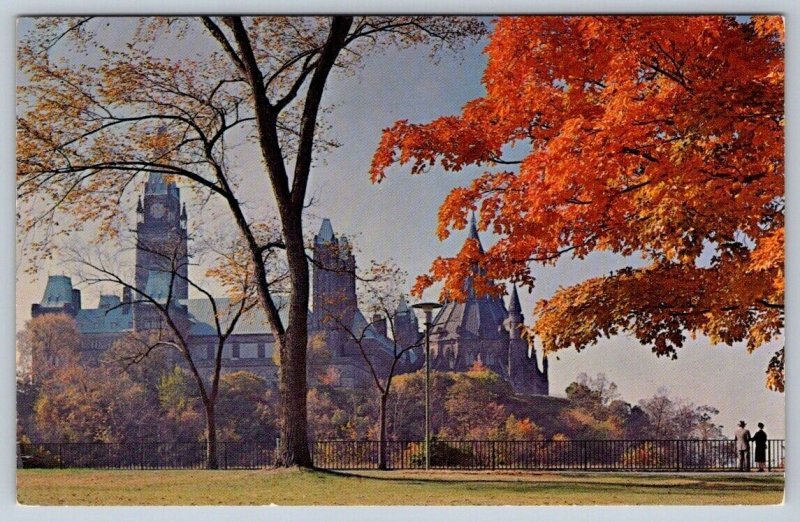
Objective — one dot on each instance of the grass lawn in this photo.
(295, 487)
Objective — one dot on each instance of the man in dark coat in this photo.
(742, 437)
(760, 439)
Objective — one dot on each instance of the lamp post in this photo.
(428, 308)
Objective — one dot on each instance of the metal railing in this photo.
(572, 455)
(143, 455)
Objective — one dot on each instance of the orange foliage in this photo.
(657, 136)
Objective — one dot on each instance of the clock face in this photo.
(157, 210)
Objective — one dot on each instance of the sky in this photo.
(397, 219)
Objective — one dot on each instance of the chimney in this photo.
(379, 323)
(126, 300)
(76, 299)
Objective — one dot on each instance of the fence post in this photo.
(585, 455)
(60, 455)
(677, 455)
(769, 455)
(494, 454)
(225, 453)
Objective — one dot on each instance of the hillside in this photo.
(543, 410)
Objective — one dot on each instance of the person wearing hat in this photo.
(742, 436)
(760, 438)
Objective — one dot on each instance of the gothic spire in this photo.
(473, 232)
(325, 231)
(402, 306)
(513, 305)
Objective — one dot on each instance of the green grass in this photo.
(297, 487)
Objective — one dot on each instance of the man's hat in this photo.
(742, 424)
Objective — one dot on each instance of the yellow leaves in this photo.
(769, 253)
(770, 26)
(775, 372)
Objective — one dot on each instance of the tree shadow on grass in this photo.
(699, 484)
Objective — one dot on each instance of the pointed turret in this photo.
(513, 305)
(406, 330)
(184, 217)
(334, 278)
(402, 306)
(473, 232)
(325, 234)
(515, 318)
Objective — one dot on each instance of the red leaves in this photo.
(656, 136)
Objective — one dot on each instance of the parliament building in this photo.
(480, 329)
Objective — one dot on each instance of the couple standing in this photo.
(743, 438)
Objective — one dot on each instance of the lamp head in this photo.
(427, 307)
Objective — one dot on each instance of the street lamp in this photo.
(428, 308)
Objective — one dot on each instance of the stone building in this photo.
(479, 329)
(336, 321)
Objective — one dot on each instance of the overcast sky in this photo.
(397, 218)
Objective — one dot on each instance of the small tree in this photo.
(48, 342)
(173, 331)
(381, 296)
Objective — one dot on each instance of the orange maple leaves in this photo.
(653, 136)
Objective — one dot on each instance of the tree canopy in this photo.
(104, 100)
(652, 136)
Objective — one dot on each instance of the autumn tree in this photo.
(162, 308)
(102, 101)
(46, 344)
(595, 410)
(675, 418)
(384, 349)
(337, 413)
(247, 407)
(652, 136)
(474, 405)
(406, 406)
(129, 356)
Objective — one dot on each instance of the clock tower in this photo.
(161, 244)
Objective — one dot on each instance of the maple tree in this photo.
(652, 136)
(104, 100)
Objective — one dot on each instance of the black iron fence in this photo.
(572, 455)
(143, 455)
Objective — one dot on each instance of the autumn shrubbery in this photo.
(153, 400)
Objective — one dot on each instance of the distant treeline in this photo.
(129, 398)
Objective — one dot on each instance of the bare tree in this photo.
(165, 318)
(176, 97)
(380, 294)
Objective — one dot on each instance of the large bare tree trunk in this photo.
(293, 450)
